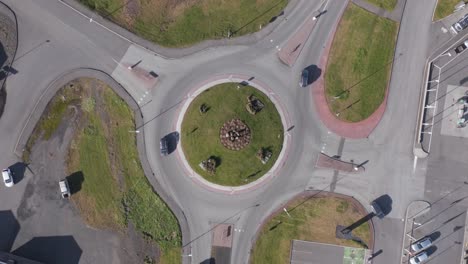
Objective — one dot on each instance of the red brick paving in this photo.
(222, 235)
(324, 161)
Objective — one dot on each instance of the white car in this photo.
(419, 258)
(7, 177)
(421, 244)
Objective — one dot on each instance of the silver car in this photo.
(419, 258)
(7, 177)
(421, 244)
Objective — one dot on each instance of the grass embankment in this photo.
(114, 190)
(359, 66)
(200, 134)
(445, 8)
(185, 22)
(314, 219)
(385, 4)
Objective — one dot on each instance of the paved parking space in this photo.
(318, 253)
(447, 164)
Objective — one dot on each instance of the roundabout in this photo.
(231, 134)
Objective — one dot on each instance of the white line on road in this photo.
(415, 162)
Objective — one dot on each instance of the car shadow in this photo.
(75, 181)
(172, 140)
(430, 250)
(385, 204)
(53, 249)
(18, 170)
(208, 261)
(314, 73)
(9, 228)
(434, 236)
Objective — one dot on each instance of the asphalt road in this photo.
(74, 42)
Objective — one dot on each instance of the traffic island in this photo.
(85, 131)
(304, 229)
(231, 134)
(360, 63)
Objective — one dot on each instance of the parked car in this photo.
(460, 25)
(163, 147)
(7, 177)
(304, 78)
(461, 47)
(419, 258)
(64, 188)
(421, 244)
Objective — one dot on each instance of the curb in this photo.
(66, 77)
(175, 53)
(308, 195)
(356, 130)
(420, 207)
(285, 119)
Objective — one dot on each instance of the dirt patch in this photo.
(58, 154)
(130, 11)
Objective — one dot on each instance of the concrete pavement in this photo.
(74, 42)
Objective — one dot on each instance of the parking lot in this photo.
(445, 135)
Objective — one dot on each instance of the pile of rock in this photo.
(254, 105)
(209, 165)
(264, 155)
(235, 135)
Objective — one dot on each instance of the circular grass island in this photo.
(231, 134)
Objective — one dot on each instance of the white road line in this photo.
(415, 161)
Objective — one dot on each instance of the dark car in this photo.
(163, 147)
(461, 47)
(304, 78)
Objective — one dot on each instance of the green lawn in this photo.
(313, 220)
(185, 22)
(200, 134)
(445, 8)
(115, 189)
(385, 4)
(359, 66)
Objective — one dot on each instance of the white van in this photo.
(64, 189)
(7, 177)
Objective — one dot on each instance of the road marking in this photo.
(415, 161)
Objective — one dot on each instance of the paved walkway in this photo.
(394, 15)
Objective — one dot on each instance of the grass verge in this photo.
(200, 134)
(114, 190)
(359, 66)
(314, 219)
(445, 8)
(385, 4)
(185, 22)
